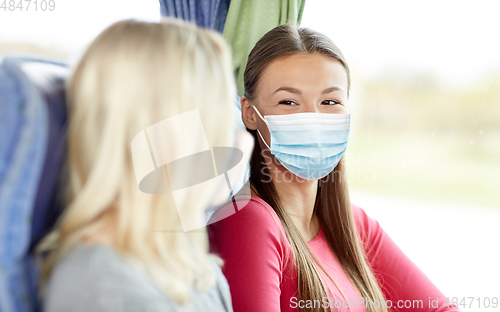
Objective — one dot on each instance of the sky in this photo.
(454, 40)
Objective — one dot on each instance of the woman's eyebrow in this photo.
(288, 89)
(331, 89)
(297, 91)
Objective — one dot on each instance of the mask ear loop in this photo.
(260, 134)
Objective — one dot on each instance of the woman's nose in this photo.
(311, 107)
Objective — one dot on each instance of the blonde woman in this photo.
(116, 248)
(299, 245)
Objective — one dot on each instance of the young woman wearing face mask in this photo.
(300, 244)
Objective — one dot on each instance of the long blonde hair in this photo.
(133, 75)
(332, 206)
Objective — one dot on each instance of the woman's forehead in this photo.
(305, 72)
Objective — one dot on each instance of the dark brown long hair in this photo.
(332, 207)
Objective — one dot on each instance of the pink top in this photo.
(253, 245)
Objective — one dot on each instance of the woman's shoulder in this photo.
(96, 278)
(247, 212)
(84, 264)
(251, 241)
(369, 230)
(248, 224)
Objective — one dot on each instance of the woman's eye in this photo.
(288, 102)
(330, 102)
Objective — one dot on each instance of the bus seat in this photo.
(32, 152)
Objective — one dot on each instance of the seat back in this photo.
(32, 151)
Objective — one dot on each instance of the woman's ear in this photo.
(248, 114)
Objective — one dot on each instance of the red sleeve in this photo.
(399, 277)
(249, 243)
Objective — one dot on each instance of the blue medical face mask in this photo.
(310, 145)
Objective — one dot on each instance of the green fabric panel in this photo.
(248, 20)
